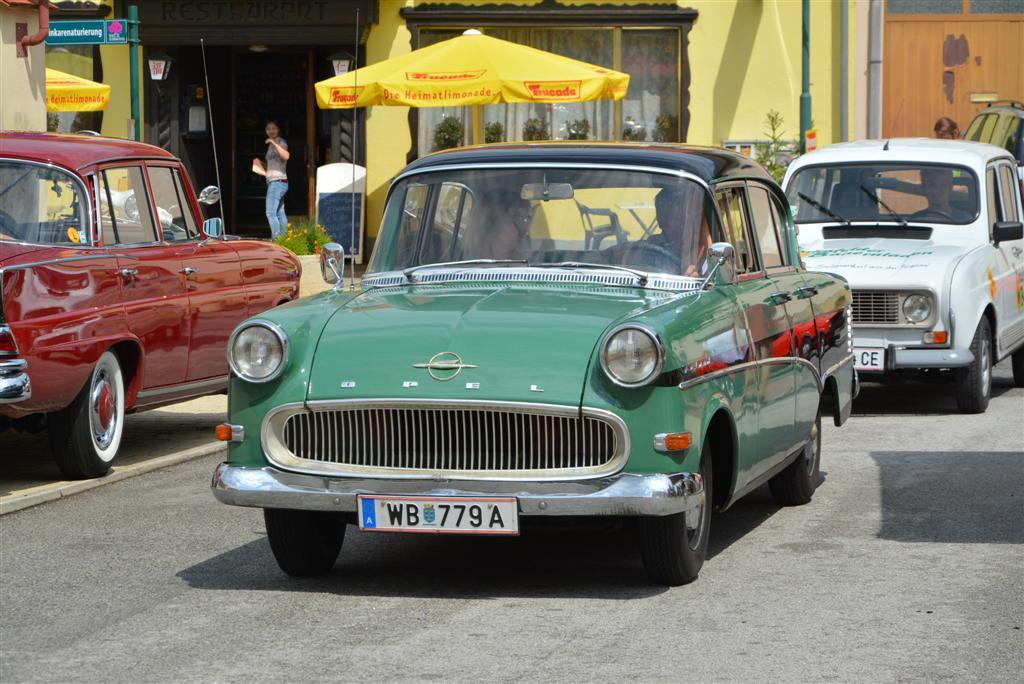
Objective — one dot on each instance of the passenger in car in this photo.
(502, 230)
(946, 129)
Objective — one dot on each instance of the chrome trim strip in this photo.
(747, 365)
(282, 337)
(550, 165)
(835, 367)
(188, 388)
(76, 178)
(439, 274)
(100, 254)
(13, 366)
(15, 384)
(624, 494)
(277, 453)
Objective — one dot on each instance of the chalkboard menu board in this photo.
(334, 213)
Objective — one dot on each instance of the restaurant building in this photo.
(702, 71)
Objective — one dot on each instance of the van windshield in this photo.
(41, 205)
(928, 193)
(651, 222)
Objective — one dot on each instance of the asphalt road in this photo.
(908, 565)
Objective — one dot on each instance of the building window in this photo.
(650, 110)
(82, 61)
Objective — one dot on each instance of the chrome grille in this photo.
(876, 306)
(469, 440)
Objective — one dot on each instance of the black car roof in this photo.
(707, 163)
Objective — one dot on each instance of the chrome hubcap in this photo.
(986, 369)
(812, 451)
(695, 537)
(103, 410)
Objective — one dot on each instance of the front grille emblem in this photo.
(444, 366)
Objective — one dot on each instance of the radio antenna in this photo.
(213, 136)
(355, 155)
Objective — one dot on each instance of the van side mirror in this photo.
(1003, 231)
(209, 195)
(332, 263)
(214, 228)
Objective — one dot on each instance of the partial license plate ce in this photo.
(869, 358)
(440, 515)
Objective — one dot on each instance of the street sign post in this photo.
(107, 32)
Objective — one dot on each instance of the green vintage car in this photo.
(545, 330)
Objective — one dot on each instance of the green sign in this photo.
(88, 32)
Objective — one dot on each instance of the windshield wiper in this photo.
(822, 208)
(468, 262)
(885, 206)
(641, 276)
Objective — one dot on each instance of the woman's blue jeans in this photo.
(275, 208)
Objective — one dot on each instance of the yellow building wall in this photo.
(22, 80)
(116, 74)
(745, 59)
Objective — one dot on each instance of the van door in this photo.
(1009, 260)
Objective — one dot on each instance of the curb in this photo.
(59, 490)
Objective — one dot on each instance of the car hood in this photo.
(519, 343)
(884, 262)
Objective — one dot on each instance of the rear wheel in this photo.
(795, 485)
(85, 436)
(672, 553)
(305, 543)
(974, 382)
(1018, 367)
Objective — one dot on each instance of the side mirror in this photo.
(1003, 231)
(209, 195)
(332, 263)
(721, 256)
(214, 228)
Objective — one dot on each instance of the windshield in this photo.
(650, 222)
(41, 205)
(929, 193)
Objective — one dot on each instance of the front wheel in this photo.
(305, 543)
(795, 485)
(673, 554)
(974, 382)
(85, 436)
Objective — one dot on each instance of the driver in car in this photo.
(672, 209)
(503, 231)
(937, 187)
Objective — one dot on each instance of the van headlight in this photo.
(917, 308)
(257, 351)
(632, 355)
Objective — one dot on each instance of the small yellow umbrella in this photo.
(472, 69)
(67, 93)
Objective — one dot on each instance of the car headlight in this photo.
(257, 351)
(917, 308)
(632, 355)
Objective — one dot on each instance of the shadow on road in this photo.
(746, 516)
(906, 398)
(969, 497)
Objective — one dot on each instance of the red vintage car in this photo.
(115, 295)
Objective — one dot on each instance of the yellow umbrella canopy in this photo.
(67, 93)
(472, 69)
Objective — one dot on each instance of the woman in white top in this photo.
(274, 170)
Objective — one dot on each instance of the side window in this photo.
(451, 216)
(125, 216)
(974, 129)
(737, 228)
(987, 128)
(409, 226)
(764, 220)
(174, 212)
(1012, 136)
(1008, 191)
(992, 194)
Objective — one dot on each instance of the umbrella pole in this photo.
(478, 124)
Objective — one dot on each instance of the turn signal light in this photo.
(936, 337)
(227, 432)
(673, 441)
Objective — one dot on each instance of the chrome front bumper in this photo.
(619, 495)
(14, 381)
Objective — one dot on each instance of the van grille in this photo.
(876, 306)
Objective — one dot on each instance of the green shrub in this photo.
(449, 133)
(535, 129)
(304, 236)
(494, 132)
(578, 129)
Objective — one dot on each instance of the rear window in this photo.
(930, 193)
(41, 205)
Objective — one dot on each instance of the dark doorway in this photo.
(270, 85)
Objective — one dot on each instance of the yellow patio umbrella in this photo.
(67, 93)
(472, 69)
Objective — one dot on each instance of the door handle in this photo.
(129, 273)
(188, 270)
(806, 291)
(779, 297)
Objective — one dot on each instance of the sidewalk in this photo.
(152, 440)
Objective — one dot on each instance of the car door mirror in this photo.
(1003, 231)
(209, 195)
(332, 262)
(720, 259)
(214, 228)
